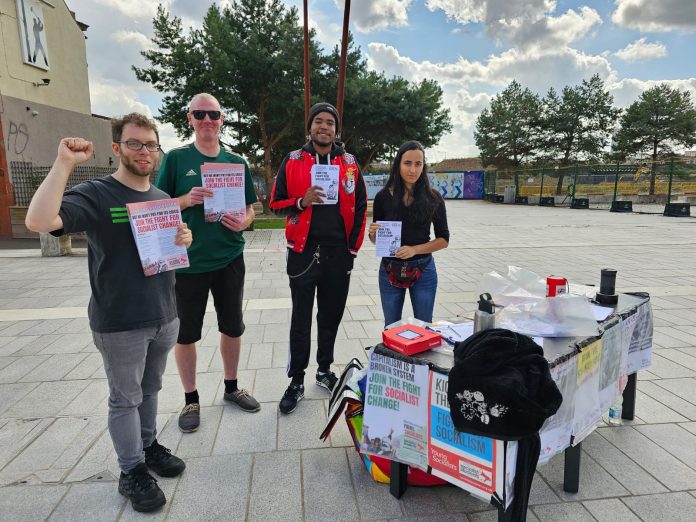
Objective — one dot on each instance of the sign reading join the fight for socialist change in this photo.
(396, 411)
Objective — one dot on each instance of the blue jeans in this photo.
(422, 293)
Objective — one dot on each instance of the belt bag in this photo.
(402, 276)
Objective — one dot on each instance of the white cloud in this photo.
(135, 8)
(140, 40)
(469, 85)
(537, 69)
(523, 23)
(656, 16)
(466, 105)
(115, 98)
(491, 11)
(373, 15)
(328, 32)
(641, 50)
(627, 90)
(168, 138)
(569, 27)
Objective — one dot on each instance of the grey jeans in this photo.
(134, 361)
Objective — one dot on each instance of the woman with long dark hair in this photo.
(409, 198)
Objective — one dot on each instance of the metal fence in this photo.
(663, 187)
(26, 178)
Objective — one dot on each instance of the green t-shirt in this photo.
(214, 246)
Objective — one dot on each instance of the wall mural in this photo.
(452, 185)
(32, 33)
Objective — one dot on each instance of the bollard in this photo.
(52, 246)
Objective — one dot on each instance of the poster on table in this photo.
(396, 411)
(587, 410)
(612, 368)
(472, 462)
(556, 432)
(640, 346)
(154, 225)
(226, 180)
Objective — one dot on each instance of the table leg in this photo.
(571, 469)
(398, 482)
(629, 397)
(504, 516)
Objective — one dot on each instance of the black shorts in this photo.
(227, 287)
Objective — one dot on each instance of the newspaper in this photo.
(226, 180)
(154, 225)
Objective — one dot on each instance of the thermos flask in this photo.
(484, 317)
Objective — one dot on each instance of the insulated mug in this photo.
(556, 285)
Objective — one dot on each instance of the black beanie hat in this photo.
(322, 107)
(500, 385)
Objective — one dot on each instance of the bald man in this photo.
(217, 260)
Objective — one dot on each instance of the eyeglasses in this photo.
(137, 145)
(213, 115)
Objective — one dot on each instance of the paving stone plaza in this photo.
(56, 457)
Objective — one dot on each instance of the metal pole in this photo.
(616, 183)
(307, 91)
(342, 66)
(575, 182)
(541, 190)
(629, 398)
(671, 173)
(571, 468)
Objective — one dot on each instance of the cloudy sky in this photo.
(473, 48)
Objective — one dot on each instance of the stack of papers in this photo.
(453, 332)
(346, 395)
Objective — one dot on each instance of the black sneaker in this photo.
(142, 489)
(327, 380)
(160, 460)
(293, 395)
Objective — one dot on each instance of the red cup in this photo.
(556, 285)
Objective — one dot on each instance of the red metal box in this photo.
(410, 339)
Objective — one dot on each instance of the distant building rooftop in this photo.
(460, 164)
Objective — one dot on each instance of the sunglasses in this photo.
(200, 115)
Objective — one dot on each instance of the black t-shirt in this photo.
(122, 297)
(413, 230)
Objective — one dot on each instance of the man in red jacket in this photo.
(324, 234)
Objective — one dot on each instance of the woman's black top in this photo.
(413, 230)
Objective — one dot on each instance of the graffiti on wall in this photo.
(451, 185)
(458, 185)
(17, 138)
(473, 185)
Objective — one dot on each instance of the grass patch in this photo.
(269, 223)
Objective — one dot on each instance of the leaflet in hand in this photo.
(326, 176)
(226, 180)
(388, 238)
(154, 225)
